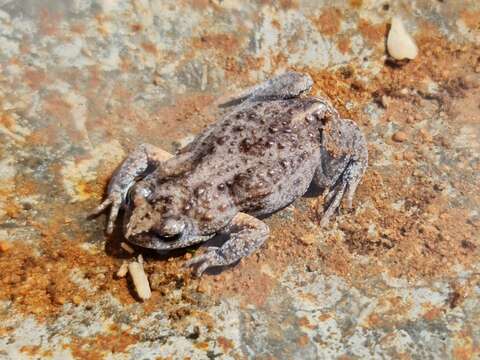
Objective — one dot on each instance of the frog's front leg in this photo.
(247, 234)
(143, 159)
(345, 186)
(341, 173)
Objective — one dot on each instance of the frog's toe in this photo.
(113, 215)
(113, 200)
(345, 187)
(100, 208)
(204, 261)
(332, 203)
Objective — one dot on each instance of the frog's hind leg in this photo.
(284, 86)
(247, 234)
(344, 187)
(144, 158)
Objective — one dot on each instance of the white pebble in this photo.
(122, 271)
(400, 44)
(140, 280)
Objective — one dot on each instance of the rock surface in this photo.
(83, 82)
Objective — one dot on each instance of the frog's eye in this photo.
(138, 192)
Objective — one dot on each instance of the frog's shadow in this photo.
(113, 244)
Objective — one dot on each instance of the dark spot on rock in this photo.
(468, 245)
(454, 299)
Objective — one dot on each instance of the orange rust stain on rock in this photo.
(356, 3)
(252, 285)
(224, 42)
(373, 320)
(289, 4)
(77, 28)
(225, 344)
(303, 340)
(328, 23)
(43, 136)
(49, 23)
(202, 345)
(39, 286)
(12, 209)
(94, 80)
(125, 64)
(432, 314)
(465, 347)
(344, 44)
(97, 347)
(7, 121)
(471, 19)
(26, 187)
(374, 34)
(344, 357)
(324, 317)
(31, 350)
(149, 47)
(56, 107)
(198, 4)
(35, 78)
(136, 27)
(303, 321)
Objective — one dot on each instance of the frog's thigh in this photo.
(247, 234)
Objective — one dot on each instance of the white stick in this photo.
(140, 280)
(127, 247)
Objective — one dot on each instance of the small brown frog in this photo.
(273, 142)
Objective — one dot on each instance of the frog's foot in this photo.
(345, 186)
(115, 199)
(246, 235)
(136, 165)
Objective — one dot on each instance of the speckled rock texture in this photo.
(82, 82)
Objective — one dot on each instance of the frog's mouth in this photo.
(152, 240)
